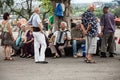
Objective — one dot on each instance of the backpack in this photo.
(58, 10)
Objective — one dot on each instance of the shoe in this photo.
(10, 59)
(43, 62)
(29, 56)
(24, 56)
(56, 56)
(79, 55)
(13, 55)
(111, 54)
(5, 58)
(75, 56)
(37, 62)
(90, 61)
(103, 55)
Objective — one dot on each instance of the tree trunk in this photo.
(57, 19)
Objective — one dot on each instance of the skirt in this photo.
(6, 39)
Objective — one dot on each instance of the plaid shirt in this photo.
(89, 18)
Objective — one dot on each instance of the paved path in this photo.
(60, 69)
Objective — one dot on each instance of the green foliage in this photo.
(0, 3)
(117, 11)
(46, 7)
(98, 12)
(9, 2)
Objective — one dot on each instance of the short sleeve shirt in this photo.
(107, 20)
(89, 18)
(35, 20)
(57, 36)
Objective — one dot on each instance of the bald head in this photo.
(92, 7)
(36, 10)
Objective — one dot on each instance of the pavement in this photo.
(67, 68)
(60, 69)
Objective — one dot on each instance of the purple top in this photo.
(29, 36)
(107, 20)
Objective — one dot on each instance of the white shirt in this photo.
(35, 20)
(56, 34)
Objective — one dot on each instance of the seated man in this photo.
(61, 38)
(77, 39)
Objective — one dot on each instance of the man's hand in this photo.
(100, 34)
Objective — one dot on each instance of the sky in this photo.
(88, 1)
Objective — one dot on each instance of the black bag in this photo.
(1, 35)
(47, 40)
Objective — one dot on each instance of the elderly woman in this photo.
(27, 49)
(60, 40)
(7, 38)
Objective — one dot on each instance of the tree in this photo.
(24, 8)
(117, 11)
(46, 8)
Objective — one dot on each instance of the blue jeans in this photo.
(75, 47)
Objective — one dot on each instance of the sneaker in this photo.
(75, 56)
(79, 55)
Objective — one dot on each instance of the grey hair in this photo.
(64, 23)
(36, 8)
(78, 22)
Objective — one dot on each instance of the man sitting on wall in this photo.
(77, 39)
(60, 37)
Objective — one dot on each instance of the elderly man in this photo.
(108, 30)
(77, 39)
(60, 40)
(90, 29)
(39, 37)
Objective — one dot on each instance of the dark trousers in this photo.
(108, 43)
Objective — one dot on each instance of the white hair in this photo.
(65, 24)
(36, 8)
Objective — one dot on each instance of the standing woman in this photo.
(7, 38)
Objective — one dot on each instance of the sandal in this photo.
(56, 56)
(86, 59)
(10, 59)
(5, 58)
(29, 56)
(90, 61)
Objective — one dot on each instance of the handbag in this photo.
(19, 39)
(119, 41)
(2, 33)
(47, 41)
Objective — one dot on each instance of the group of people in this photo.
(84, 32)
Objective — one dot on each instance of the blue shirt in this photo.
(89, 18)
